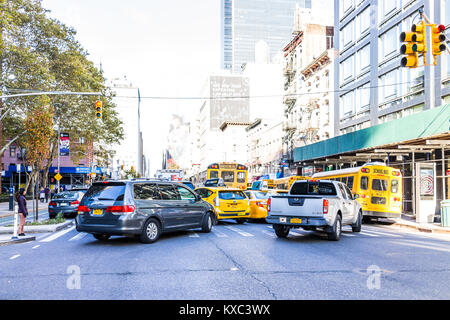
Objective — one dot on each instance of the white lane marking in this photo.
(383, 233)
(271, 234)
(57, 235)
(35, 247)
(369, 234)
(422, 242)
(78, 236)
(219, 234)
(430, 247)
(242, 233)
(347, 234)
(14, 257)
(193, 235)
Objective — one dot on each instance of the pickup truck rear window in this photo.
(313, 188)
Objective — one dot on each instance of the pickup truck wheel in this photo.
(281, 231)
(356, 227)
(335, 234)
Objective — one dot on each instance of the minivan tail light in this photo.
(325, 206)
(120, 209)
(52, 203)
(75, 202)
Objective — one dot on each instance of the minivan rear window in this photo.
(107, 192)
(313, 188)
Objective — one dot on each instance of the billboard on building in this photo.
(231, 107)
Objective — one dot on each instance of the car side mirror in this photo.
(197, 198)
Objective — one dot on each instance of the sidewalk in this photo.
(4, 207)
(5, 239)
(407, 221)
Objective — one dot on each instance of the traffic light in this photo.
(416, 43)
(98, 109)
(438, 39)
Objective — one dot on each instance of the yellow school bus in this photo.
(234, 175)
(377, 187)
(285, 183)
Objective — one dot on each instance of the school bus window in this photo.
(350, 182)
(364, 183)
(394, 186)
(227, 176)
(241, 177)
(379, 185)
(344, 180)
(213, 174)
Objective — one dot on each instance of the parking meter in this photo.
(11, 199)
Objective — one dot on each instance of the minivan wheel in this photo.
(207, 223)
(281, 231)
(102, 237)
(335, 234)
(151, 231)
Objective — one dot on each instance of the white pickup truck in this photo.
(312, 204)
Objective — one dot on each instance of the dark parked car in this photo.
(144, 209)
(66, 202)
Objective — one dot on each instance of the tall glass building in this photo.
(245, 22)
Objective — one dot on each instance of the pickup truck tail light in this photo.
(325, 206)
(269, 202)
(120, 209)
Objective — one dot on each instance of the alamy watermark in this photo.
(74, 280)
(374, 279)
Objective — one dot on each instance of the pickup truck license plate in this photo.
(97, 212)
(283, 220)
(296, 220)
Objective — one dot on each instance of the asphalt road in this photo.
(232, 262)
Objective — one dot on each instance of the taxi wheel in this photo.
(240, 221)
(102, 237)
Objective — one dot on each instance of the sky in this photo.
(163, 47)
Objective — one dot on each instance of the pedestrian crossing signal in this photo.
(98, 109)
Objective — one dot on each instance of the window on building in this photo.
(363, 22)
(363, 98)
(347, 104)
(346, 7)
(347, 35)
(363, 59)
(389, 86)
(12, 151)
(389, 44)
(347, 69)
(387, 8)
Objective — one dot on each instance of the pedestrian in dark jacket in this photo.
(23, 212)
(47, 193)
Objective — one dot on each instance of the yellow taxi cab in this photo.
(258, 203)
(229, 203)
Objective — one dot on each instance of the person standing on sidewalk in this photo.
(23, 212)
(42, 194)
(47, 193)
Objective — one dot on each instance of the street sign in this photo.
(58, 176)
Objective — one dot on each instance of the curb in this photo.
(38, 229)
(421, 228)
(19, 240)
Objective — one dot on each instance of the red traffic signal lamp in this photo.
(98, 109)
(438, 39)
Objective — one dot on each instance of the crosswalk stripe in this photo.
(57, 235)
(242, 233)
(384, 233)
(193, 235)
(347, 234)
(219, 234)
(271, 234)
(78, 236)
(14, 257)
(369, 234)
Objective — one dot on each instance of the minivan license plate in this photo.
(97, 212)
